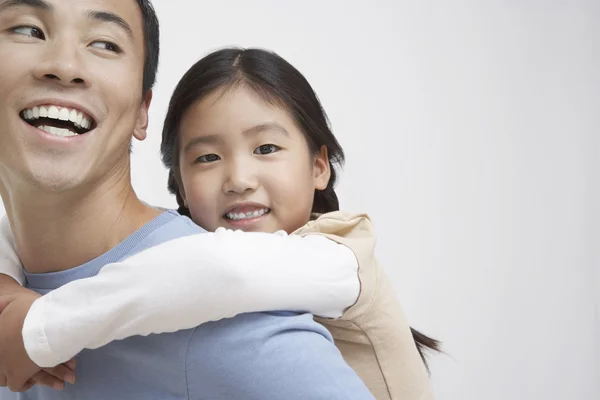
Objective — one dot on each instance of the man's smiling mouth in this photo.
(58, 121)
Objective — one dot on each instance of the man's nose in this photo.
(62, 63)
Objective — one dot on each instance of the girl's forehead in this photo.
(234, 110)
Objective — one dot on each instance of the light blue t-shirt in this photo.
(252, 356)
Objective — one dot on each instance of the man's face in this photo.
(70, 91)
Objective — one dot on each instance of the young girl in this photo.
(249, 149)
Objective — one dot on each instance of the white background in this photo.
(472, 137)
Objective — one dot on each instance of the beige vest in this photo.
(373, 335)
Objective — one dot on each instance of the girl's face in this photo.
(244, 164)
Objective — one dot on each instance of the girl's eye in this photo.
(108, 46)
(31, 31)
(266, 149)
(208, 158)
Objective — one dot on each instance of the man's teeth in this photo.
(57, 131)
(63, 114)
(248, 215)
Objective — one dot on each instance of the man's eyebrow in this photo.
(104, 16)
(39, 4)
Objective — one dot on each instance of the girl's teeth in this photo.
(248, 215)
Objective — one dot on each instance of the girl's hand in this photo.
(54, 378)
(16, 368)
(17, 371)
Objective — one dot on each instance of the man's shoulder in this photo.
(172, 225)
(263, 325)
(269, 355)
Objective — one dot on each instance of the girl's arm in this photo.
(11, 291)
(9, 261)
(188, 281)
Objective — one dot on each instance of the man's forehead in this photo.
(129, 8)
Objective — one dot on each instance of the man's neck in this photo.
(58, 232)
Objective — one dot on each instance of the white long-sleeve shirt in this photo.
(183, 283)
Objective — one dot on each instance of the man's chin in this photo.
(48, 175)
(56, 182)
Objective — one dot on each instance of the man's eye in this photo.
(108, 46)
(266, 149)
(31, 31)
(208, 158)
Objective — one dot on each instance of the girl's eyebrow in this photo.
(214, 138)
(270, 126)
(204, 139)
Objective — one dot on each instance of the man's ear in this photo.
(321, 168)
(141, 124)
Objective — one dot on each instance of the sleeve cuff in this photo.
(34, 335)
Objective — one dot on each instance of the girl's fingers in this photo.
(45, 379)
(62, 373)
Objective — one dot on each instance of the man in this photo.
(75, 84)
